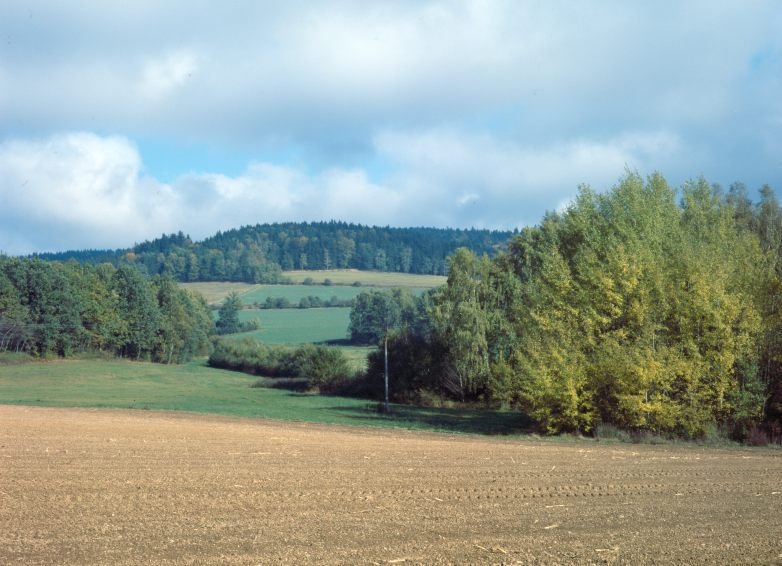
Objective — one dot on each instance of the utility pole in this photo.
(385, 372)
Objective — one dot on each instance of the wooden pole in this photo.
(385, 373)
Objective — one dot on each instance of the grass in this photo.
(302, 326)
(14, 358)
(297, 326)
(215, 293)
(195, 387)
(356, 355)
(369, 278)
(294, 293)
(342, 288)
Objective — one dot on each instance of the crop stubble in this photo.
(82, 486)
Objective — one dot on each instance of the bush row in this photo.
(320, 365)
(309, 302)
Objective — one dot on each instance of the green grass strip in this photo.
(197, 388)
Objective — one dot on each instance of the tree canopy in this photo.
(376, 313)
(644, 307)
(259, 254)
(60, 309)
(228, 315)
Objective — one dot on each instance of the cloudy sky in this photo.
(120, 121)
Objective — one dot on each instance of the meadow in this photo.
(369, 278)
(297, 326)
(195, 387)
(294, 293)
(326, 325)
(343, 286)
(250, 294)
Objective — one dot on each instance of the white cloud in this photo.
(163, 75)
(79, 190)
(502, 167)
(478, 112)
(263, 70)
(272, 193)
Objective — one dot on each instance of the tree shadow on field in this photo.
(472, 421)
(294, 384)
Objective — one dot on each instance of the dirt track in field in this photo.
(123, 487)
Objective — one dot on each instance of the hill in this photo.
(260, 253)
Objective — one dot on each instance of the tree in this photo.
(462, 322)
(138, 310)
(14, 331)
(626, 309)
(375, 314)
(228, 316)
(53, 309)
(185, 323)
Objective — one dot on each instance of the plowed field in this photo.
(122, 487)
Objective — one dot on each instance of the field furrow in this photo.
(84, 486)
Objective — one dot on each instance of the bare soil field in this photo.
(82, 486)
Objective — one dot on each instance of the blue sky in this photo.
(121, 122)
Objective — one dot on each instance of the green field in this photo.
(369, 278)
(215, 293)
(297, 326)
(197, 388)
(294, 293)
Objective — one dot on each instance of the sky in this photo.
(121, 121)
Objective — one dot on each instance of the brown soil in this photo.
(122, 487)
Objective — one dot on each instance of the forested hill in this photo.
(258, 254)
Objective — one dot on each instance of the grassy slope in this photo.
(342, 289)
(295, 326)
(214, 293)
(369, 278)
(298, 326)
(195, 387)
(294, 293)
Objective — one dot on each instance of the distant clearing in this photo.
(120, 487)
(214, 293)
(297, 326)
(294, 293)
(369, 278)
(342, 286)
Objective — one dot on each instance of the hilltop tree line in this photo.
(259, 254)
(642, 308)
(50, 308)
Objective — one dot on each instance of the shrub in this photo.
(15, 358)
(757, 437)
(250, 325)
(414, 367)
(323, 367)
(606, 431)
(648, 437)
(277, 303)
